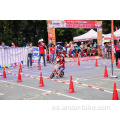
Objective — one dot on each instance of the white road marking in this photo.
(1, 94)
(42, 90)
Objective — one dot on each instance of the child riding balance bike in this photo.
(59, 69)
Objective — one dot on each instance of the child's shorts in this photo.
(61, 68)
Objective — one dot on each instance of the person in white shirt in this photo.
(82, 45)
(30, 55)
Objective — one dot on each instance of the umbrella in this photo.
(59, 42)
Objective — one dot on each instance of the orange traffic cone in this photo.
(78, 61)
(19, 77)
(105, 73)
(118, 64)
(39, 68)
(115, 93)
(20, 68)
(96, 63)
(40, 74)
(41, 84)
(71, 87)
(4, 73)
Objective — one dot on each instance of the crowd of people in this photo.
(69, 50)
(72, 50)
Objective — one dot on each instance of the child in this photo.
(76, 53)
(70, 53)
(87, 53)
(82, 53)
(61, 66)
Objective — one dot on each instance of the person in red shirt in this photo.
(82, 53)
(42, 48)
(61, 66)
(52, 53)
(13, 45)
(117, 50)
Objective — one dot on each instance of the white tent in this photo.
(116, 33)
(92, 34)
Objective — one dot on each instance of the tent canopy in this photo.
(116, 33)
(92, 34)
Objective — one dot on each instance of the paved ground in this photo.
(90, 79)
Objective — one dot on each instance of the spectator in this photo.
(88, 45)
(3, 45)
(74, 51)
(95, 45)
(117, 50)
(103, 51)
(65, 45)
(30, 55)
(52, 53)
(13, 45)
(82, 45)
(27, 44)
(109, 50)
(107, 47)
(42, 48)
(51, 43)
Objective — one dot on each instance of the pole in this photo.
(112, 48)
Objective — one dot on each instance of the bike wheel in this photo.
(51, 76)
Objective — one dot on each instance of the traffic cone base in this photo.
(71, 91)
(105, 73)
(115, 93)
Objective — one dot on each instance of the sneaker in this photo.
(45, 65)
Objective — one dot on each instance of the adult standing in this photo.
(30, 55)
(52, 53)
(13, 45)
(65, 45)
(3, 45)
(117, 50)
(42, 48)
(51, 43)
(82, 45)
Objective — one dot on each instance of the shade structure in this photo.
(116, 35)
(91, 34)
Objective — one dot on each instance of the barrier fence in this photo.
(13, 56)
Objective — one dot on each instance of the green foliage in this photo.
(23, 31)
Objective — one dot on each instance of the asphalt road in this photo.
(88, 81)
